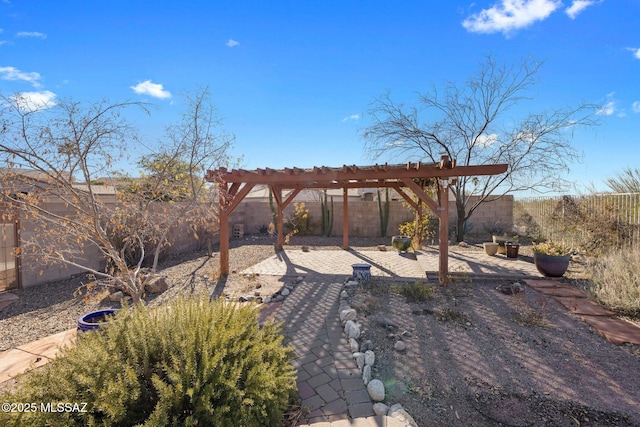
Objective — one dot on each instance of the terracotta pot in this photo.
(512, 249)
(490, 248)
(551, 265)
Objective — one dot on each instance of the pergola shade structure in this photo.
(234, 185)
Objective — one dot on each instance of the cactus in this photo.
(327, 215)
(384, 213)
(274, 213)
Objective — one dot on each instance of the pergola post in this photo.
(224, 235)
(345, 219)
(443, 235)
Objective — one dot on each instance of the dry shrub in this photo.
(416, 292)
(530, 314)
(615, 281)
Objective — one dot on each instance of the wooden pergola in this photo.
(234, 186)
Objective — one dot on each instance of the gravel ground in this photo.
(50, 308)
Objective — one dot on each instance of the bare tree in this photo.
(627, 181)
(172, 190)
(474, 123)
(57, 154)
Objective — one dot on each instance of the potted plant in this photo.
(552, 258)
(512, 247)
(401, 243)
(498, 231)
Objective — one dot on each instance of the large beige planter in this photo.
(490, 248)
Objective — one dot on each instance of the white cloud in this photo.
(577, 7)
(152, 89)
(635, 50)
(232, 43)
(352, 117)
(510, 15)
(607, 109)
(34, 101)
(12, 73)
(33, 34)
(486, 140)
(636, 107)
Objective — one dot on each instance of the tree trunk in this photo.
(460, 222)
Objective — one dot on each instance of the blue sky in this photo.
(293, 80)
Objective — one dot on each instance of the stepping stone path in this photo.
(615, 330)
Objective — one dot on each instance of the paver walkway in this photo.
(329, 381)
(392, 264)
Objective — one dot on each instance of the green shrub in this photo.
(615, 281)
(194, 362)
(416, 292)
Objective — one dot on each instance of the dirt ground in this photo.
(478, 357)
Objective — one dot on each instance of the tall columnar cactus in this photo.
(274, 213)
(383, 211)
(327, 215)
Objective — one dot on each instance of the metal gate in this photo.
(8, 261)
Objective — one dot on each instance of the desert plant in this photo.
(497, 228)
(327, 215)
(194, 362)
(530, 313)
(552, 248)
(416, 292)
(263, 229)
(428, 228)
(383, 211)
(300, 221)
(615, 281)
(274, 213)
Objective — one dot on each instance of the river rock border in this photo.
(365, 357)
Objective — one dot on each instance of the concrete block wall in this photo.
(364, 220)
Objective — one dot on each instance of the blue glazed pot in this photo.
(92, 320)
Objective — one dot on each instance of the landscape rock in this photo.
(366, 345)
(344, 295)
(354, 345)
(116, 296)
(299, 279)
(351, 283)
(366, 374)
(285, 292)
(359, 357)
(380, 409)
(156, 285)
(376, 390)
(400, 346)
(267, 300)
(386, 322)
(352, 329)
(369, 358)
(349, 314)
(398, 412)
(278, 298)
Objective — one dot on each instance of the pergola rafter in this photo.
(234, 185)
